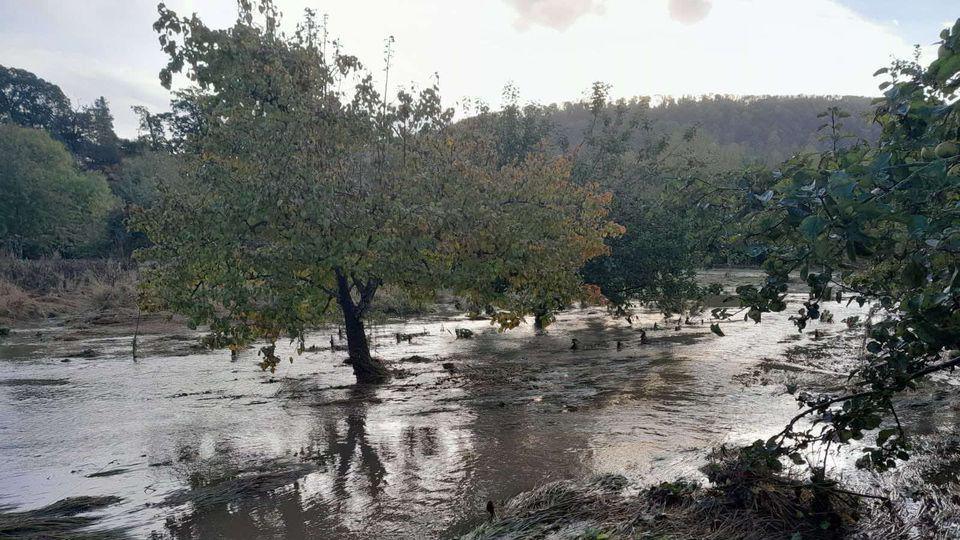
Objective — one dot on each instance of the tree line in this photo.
(67, 180)
(730, 131)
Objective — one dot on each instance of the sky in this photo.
(552, 50)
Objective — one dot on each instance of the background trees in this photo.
(727, 132)
(30, 101)
(47, 203)
(765, 129)
(623, 151)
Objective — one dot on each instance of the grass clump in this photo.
(17, 304)
(62, 520)
(748, 499)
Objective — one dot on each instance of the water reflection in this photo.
(346, 478)
(296, 495)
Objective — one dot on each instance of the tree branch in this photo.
(823, 406)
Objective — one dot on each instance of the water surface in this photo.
(202, 447)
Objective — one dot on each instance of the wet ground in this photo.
(201, 447)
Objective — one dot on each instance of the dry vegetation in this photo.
(32, 290)
(741, 502)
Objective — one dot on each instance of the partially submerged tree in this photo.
(621, 151)
(655, 261)
(304, 187)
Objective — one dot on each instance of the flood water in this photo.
(202, 447)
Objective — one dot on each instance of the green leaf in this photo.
(715, 328)
(841, 186)
(917, 225)
(812, 226)
(885, 435)
(948, 67)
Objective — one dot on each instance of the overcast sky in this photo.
(551, 49)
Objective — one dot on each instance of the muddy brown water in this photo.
(202, 447)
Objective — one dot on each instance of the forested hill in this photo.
(764, 128)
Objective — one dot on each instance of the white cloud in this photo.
(689, 11)
(556, 14)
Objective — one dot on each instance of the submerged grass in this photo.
(926, 495)
(744, 503)
(62, 520)
(238, 485)
(921, 500)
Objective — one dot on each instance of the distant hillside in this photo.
(765, 128)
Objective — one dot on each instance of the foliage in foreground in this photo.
(298, 194)
(875, 224)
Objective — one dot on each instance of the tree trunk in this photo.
(540, 320)
(368, 370)
(538, 325)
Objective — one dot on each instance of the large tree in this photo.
(304, 187)
(98, 145)
(29, 101)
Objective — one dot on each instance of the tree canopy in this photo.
(641, 164)
(29, 101)
(304, 186)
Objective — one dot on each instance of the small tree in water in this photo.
(304, 188)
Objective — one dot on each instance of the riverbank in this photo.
(919, 500)
(88, 298)
(74, 290)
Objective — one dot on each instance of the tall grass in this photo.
(31, 289)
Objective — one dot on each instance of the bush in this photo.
(47, 204)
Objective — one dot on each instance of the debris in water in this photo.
(58, 520)
(34, 382)
(108, 472)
